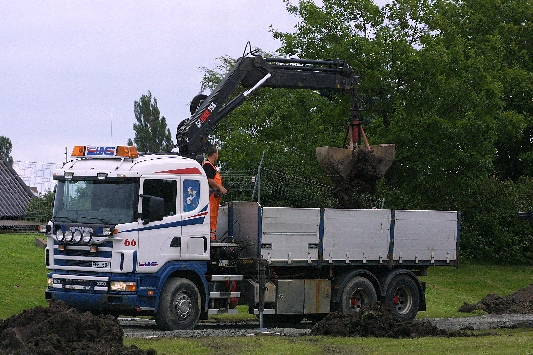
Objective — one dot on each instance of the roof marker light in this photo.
(127, 151)
(78, 151)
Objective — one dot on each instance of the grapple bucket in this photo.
(345, 163)
(355, 171)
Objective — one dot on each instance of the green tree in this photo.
(151, 132)
(450, 83)
(40, 208)
(5, 149)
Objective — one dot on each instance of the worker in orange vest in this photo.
(216, 190)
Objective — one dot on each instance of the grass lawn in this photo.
(23, 274)
(502, 342)
(23, 284)
(449, 288)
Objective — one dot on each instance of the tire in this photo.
(402, 297)
(179, 305)
(356, 293)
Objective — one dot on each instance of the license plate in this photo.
(101, 264)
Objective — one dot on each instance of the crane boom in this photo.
(351, 168)
(255, 71)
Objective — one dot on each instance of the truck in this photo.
(130, 231)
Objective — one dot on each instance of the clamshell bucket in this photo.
(355, 171)
(372, 161)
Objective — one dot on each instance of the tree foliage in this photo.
(40, 208)
(151, 132)
(5, 149)
(449, 82)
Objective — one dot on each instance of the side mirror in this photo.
(153, 208)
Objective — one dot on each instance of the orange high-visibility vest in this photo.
(214, 204)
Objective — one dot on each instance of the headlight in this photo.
(60, 237)
(68, 236)
(86, 238)
(123, 286)
(50, 282)
(76, 237)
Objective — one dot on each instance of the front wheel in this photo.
(358, 292)
(179, 305)
(402, 297)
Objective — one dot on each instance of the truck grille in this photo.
(80, 258)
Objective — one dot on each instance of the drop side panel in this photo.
(356, 235)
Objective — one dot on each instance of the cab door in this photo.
(194, 209)
(159, 240)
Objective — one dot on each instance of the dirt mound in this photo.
(58, 330)
(520, 302)
(375, 320)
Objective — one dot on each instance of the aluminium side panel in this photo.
(290, 235)
(425, 236)
(358, 236)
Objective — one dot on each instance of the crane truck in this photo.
(130, 231)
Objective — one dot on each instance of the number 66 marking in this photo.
(128, 243)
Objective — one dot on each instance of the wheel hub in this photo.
(357, 300)
(183, 305)
(402, 300)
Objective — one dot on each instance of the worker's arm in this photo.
(214, 185)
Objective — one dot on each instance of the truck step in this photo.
(224, 294)
(226, 277)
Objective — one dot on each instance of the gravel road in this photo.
(145, 328)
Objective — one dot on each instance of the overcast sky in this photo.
(71, 70)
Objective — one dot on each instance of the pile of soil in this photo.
(58, 330)
(376, 320)
(520, 302)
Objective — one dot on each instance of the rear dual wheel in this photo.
(358, 292)
(403, 297)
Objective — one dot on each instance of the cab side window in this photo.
(166, 189)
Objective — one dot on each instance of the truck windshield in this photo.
(97, 202)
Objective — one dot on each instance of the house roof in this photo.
(14, 193)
